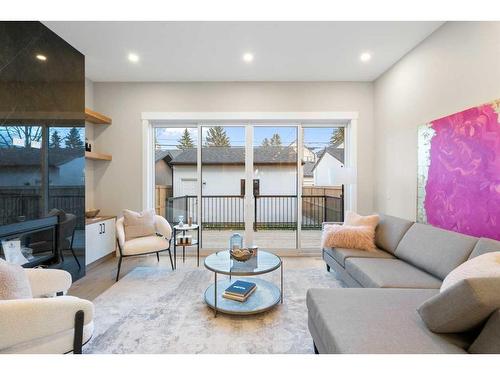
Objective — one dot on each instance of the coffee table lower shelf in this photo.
(266, 296)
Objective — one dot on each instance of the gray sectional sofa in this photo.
(378, 313)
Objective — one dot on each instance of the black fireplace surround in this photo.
(42, 154)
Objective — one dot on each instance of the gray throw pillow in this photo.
(462, 306)
(14, 282)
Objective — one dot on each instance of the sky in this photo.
(316, 138)
(62, 131)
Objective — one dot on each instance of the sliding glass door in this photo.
(273, 184)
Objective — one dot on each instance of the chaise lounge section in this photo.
(378, 313)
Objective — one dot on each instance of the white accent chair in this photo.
(144, 245)
(41, 325)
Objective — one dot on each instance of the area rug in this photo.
(157, 310)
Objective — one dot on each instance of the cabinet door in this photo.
(92, 243)
(108, 236)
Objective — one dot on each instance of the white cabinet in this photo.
(100, 239)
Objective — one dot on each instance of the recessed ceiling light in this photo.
(41, 57)
(365, 56)
(248, 57)
(133, 57)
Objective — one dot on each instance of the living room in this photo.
(250, 187)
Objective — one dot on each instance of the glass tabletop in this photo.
(221, 262)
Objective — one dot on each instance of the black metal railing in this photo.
(278, 212)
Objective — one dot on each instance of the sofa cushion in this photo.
(389, 273)
(375, 321)
(14, 283)
(463, 306)
(434, 250)
(340, 254)
(390, 231)
(488, 341)
(483, 246)
(483, 266)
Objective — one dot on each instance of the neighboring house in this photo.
(329, 160)
(223, 169)
(163, 170)
(308, 154)
(308, 174)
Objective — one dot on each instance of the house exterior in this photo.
(330, 160)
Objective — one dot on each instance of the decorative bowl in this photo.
(90, 214)
(241, 255)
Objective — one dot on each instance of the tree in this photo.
(185, 141)
(275, 140)
(73, 139)
(265, 142)
(55, 140)
(217, 137)
(337, 137)
(26, 133)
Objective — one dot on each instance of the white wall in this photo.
(118, 183)
(457, 67)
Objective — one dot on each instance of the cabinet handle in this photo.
(103, 227)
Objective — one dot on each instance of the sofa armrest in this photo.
(48, 282)
(120, 233)
(23, 320)
(163, 227)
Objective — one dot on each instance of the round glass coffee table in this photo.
(267, 294)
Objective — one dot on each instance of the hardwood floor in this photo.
(102, 276)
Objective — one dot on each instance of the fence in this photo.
(270, 211)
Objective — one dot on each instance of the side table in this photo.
(183, 229)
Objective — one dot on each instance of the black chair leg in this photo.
(315, 349)
(119, 266)
(158, 256)
(171, 262)
(327, 268)
(78, 336)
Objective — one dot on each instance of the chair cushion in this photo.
(138, 224)
(390, 230)
(14, 283)
(463, 306)
(434, 250)
(488, 341)
(389, 273)
(143, 245)
(486, 265)
(383, 321)
(483, 246)
(340, 254)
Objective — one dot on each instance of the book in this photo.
(239, 298)
(240, 288)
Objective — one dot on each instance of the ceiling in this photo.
(212, 51)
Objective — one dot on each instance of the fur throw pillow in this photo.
(349, 237)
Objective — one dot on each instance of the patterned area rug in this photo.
(157, 310)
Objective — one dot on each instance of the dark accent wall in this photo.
(42, 134)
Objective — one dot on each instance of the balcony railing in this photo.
(277, 212)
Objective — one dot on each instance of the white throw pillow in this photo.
(14, 282)
(139, 224)
(483, 266)
(354, 219)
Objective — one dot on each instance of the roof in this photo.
(236, 155)
(337, 153)
(166, 154)
(20, 156)
(308, 169)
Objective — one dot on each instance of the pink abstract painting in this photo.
(462, 182)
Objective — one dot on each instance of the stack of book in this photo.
(239, 290)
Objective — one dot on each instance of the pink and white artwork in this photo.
(459, 172)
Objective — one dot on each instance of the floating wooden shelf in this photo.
(97, 156)
(96, 117)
